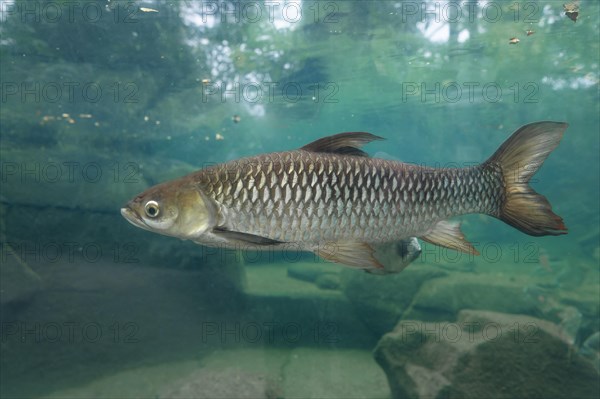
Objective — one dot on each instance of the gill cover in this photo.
(197, 214)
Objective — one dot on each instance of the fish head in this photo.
(177, 209)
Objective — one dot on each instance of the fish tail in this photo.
(519, 158)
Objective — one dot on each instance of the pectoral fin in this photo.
(447, 234)
(350, 253)
(243, 238)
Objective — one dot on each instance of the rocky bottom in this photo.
(301, 330)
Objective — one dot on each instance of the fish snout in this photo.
(132, 216)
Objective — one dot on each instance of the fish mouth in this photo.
(132, 217)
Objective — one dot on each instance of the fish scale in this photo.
(315, 193)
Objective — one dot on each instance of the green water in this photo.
(102, 99)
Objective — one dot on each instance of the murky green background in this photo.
(101, 99)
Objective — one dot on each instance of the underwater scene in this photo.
(299, 199)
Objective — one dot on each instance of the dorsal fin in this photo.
(342, 143)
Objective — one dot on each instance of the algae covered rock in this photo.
(484, 354)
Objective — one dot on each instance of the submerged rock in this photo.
(483, 354)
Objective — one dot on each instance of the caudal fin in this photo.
(519, 158)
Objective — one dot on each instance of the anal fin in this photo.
(349, 253)
(448, 234)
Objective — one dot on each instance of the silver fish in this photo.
(331, 198)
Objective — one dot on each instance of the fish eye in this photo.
(152, 209)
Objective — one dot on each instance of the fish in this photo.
(330, 198)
